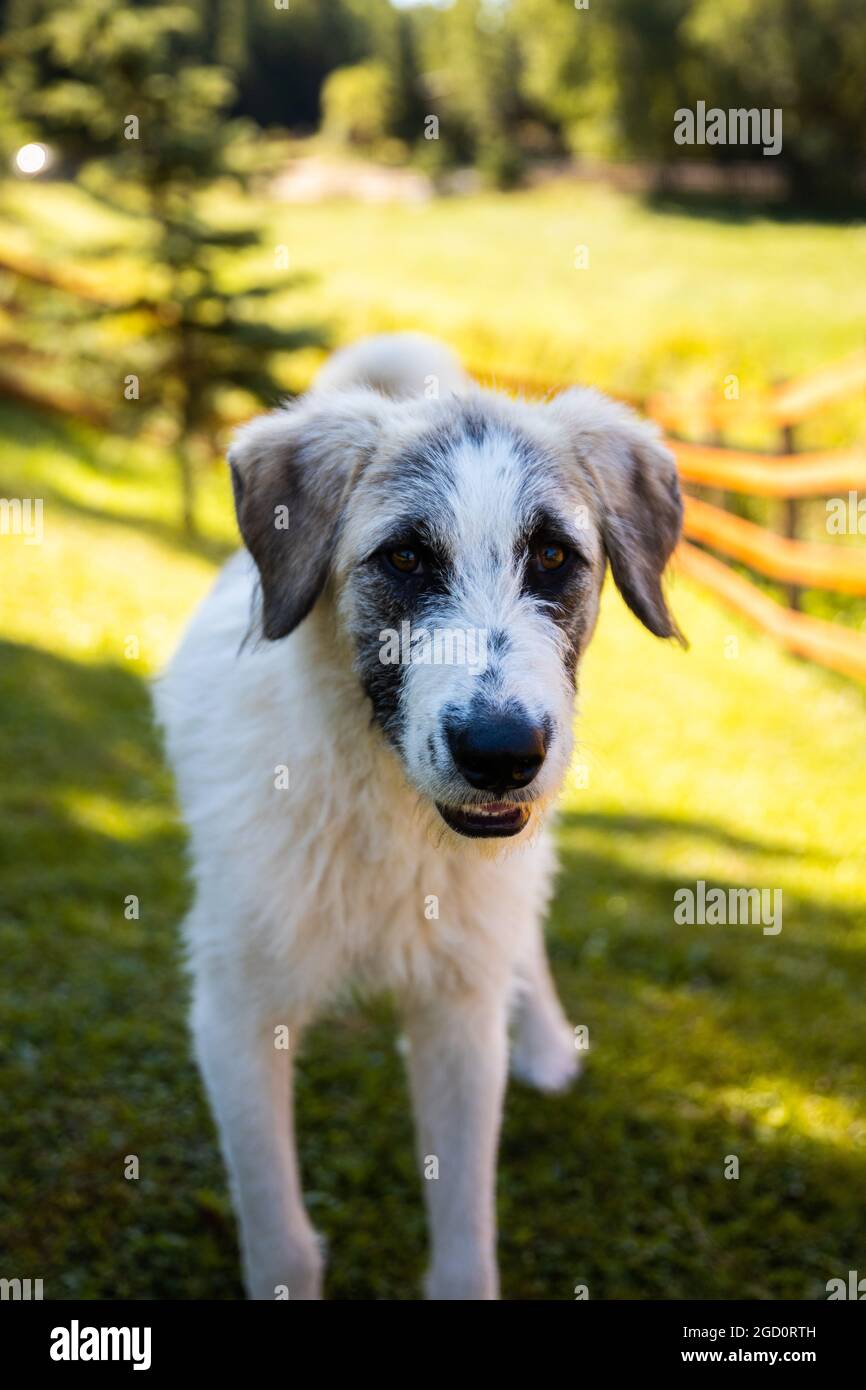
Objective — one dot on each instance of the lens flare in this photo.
(31, 159)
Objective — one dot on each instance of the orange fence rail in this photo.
(30, 391)
(793, 562)
(796, 400)
(788, 476)
(840, 648)
(785, 405)
(771, 475)
(68, 282)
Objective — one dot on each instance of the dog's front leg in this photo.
(457, 1065)
(544, 1044)
(248, 1074)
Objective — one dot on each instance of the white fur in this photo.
(304, 892)
(399, 364)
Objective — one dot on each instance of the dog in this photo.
(367, 821)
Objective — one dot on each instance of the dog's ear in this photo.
(637, 489)
(292, 472)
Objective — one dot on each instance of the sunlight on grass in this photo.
(730, 762)
(773, 1104)
(670, 298)
(116, 817)
(667, 296)
(704, 1041)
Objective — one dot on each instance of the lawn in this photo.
(665, 296)
(730, 763)
(670, 297)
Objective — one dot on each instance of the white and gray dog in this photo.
(367, 805)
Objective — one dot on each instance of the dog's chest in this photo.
(373, 901)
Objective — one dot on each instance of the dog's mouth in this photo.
(483, 822)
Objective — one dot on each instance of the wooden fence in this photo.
(787, 476)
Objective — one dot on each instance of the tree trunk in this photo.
(187, 490)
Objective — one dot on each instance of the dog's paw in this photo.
(467, 1280)
(546, 1059)
(295, 1274)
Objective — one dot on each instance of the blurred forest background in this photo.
(512, 83)
(169, 139)
(198, 202)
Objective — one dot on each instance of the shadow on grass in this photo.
(705, 1043)
(614, 911)
(97, 1065)
(655, 827)
(735, 211)
(619, 1185)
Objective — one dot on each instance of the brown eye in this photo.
(405, 560)
(550, 557)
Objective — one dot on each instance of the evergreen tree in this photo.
(124, 91)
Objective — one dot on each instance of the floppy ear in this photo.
(636, 483)
(292, 472)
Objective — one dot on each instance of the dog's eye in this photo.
(550, 556)
(404, 560)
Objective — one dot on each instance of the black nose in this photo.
(498, 752)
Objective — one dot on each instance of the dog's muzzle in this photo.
(497, 752)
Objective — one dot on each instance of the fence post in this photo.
(717, 495)
(790, 516)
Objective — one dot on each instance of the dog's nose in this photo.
(498, 753)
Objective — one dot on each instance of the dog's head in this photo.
(464, 543)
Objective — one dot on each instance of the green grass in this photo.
(672, 298)
(732, 763)
(704, 1041)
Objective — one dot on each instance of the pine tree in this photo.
(125, 92)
